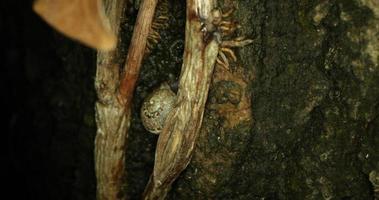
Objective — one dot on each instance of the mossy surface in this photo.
(315, 107)
(297, 118)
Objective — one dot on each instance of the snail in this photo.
(156, 107)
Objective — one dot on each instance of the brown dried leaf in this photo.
(81, 20)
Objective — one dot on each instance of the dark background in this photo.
(48, 108)
(315, 105)
(49, 98)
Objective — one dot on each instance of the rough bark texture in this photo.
(136, 52)
(162, 64)
(177, 140)
(297, 118)
(315, 105)
(111, 116)
(114, 106)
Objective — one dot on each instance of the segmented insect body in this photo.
(159, 23)
(227, 28)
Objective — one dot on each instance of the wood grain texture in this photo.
(111, 116)
(115, 94)
(176, 142)
(136, 51)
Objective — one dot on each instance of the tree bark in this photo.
(111, 116)
(177, 140)
(296, 117)
(115, 96)
(308, 97)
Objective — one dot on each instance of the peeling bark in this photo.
(111, 116)
(177, 140)
(314, 100)
(113, 110)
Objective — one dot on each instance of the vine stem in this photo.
(177, 140)
(115, 93)
(136, 51)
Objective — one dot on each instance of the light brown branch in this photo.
(136, 51)
(111, 117)
(113, 107)
(177, 140)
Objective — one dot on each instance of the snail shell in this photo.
(156, 107)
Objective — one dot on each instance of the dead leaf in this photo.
(81, 20)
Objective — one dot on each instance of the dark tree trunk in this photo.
(314, 86)
(296, 117)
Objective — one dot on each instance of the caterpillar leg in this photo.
(160, 22)
(228, 28)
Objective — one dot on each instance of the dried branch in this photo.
(111, 117)
(177, 140)
(82, 20)
(113, 108)
(136, 51)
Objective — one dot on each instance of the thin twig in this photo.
(136, 51)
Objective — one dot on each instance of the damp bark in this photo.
(314, 102)
(295, 118)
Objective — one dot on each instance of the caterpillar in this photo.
(160, 22)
